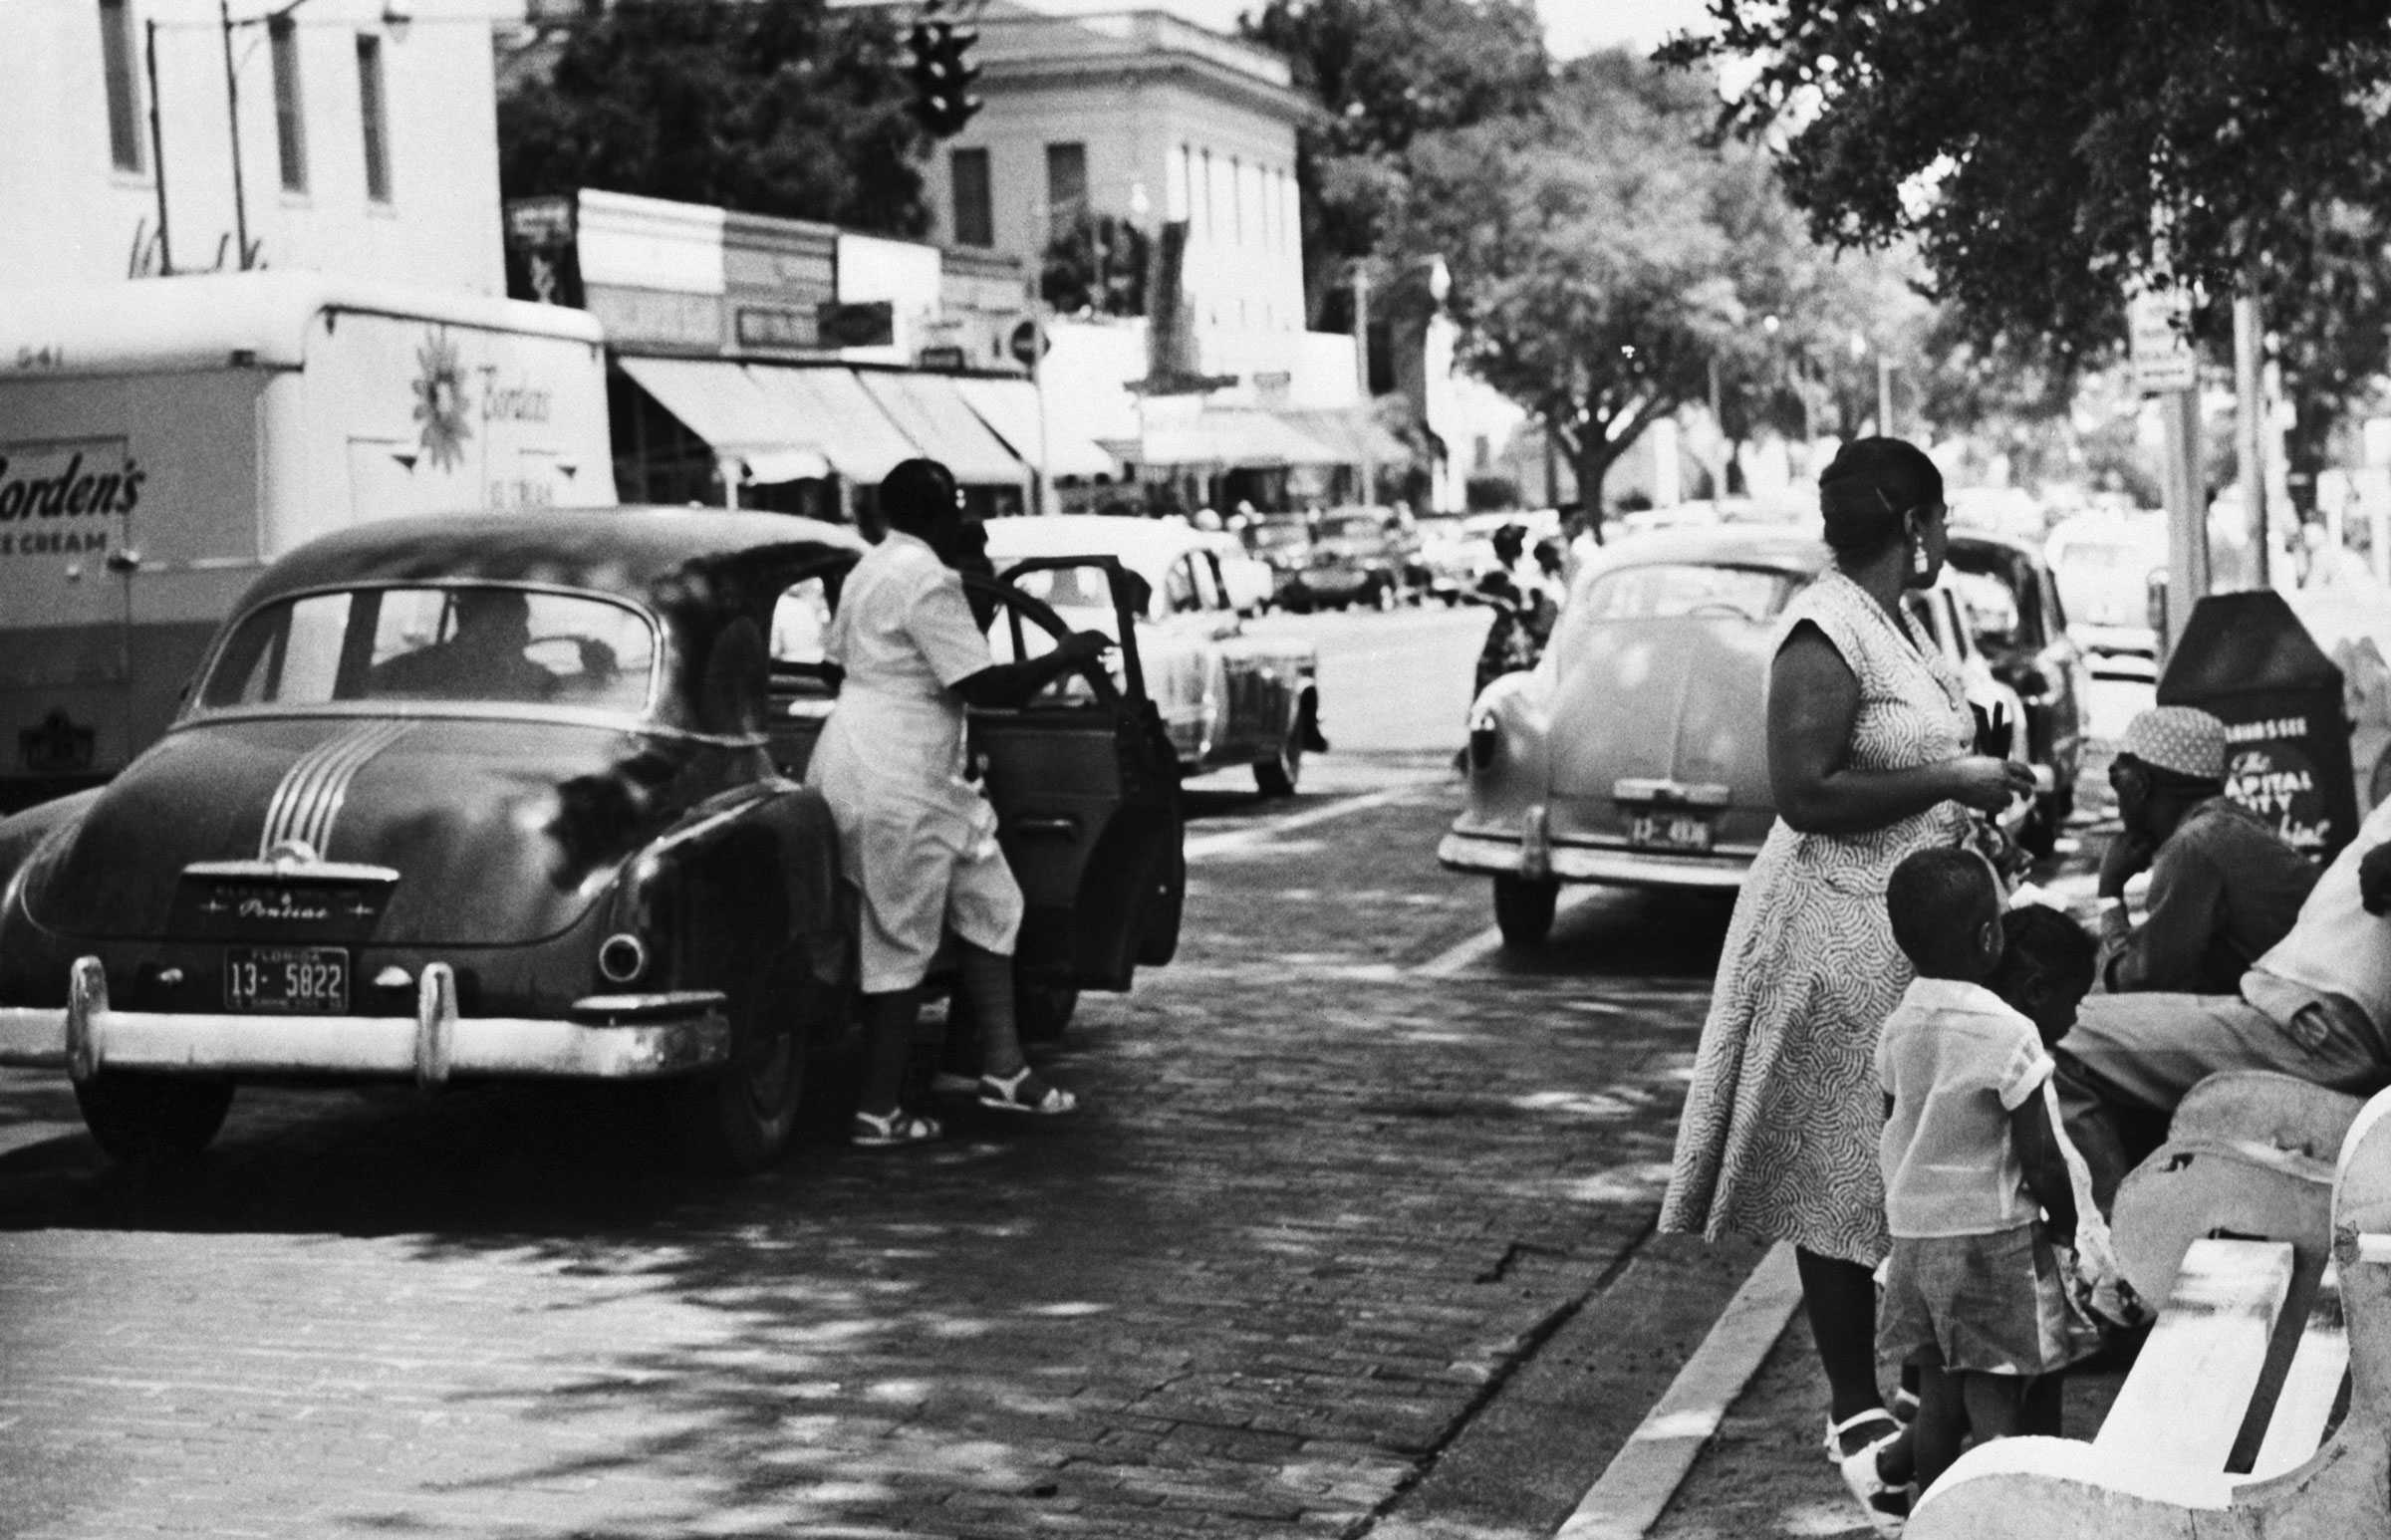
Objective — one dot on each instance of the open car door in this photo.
(1083, 779)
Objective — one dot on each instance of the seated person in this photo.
(2318, 1006)
(482, 658)
(1973, 1291)
(2223, 887)
(2047, 964)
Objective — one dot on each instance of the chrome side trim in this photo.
(1612, 866)
(293, 871)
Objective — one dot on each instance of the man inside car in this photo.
(483, 659)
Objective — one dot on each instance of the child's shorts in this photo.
(1989, 1303)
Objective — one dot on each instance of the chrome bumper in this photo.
(604, 1037)
(1495, 856)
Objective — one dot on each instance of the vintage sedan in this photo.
(2012, 601)
(510, 797)
(1228, 696)
(1633, 753)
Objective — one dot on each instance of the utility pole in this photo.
(232, 117)
(2248, 364)
(1360, 270)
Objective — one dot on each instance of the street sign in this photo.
(1028, 345)
(2159, 324)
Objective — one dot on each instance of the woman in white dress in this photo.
(1869, 758)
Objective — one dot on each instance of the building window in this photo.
(123, 98)
(1066, 187)
(290, 127)
(975, 212)
(373, 112)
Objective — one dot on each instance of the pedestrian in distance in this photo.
(2223, 886)
(1870, 757)
(1974, 1294)
(916, 834)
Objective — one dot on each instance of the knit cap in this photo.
(2184, 739)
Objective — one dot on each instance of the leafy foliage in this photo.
(2043, 154)
(1097, 267)
(771, 107)
(1385, 73)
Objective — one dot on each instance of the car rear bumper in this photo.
(1615, 865)
(603, 1037)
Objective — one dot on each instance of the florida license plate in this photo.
(291, 979)
(1668, 832)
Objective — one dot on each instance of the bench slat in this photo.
(2190, 1387)
(2305, 1403)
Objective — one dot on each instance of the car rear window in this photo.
(486, 644)
(1668, 589)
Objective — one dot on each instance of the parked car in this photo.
(2014, 612)
(2106, 564)
(1354, 556)
(1634, 753)
(582, 860)
(1281, 542)
(1226, 697)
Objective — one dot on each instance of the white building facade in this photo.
(1143, 117)
(366, 132)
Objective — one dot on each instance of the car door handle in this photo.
(1065, 824)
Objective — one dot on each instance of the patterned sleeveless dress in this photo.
(1778, 1139)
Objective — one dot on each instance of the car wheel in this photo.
(1523, 910)
(1277, 775)
(738, 1119)
(148, 1120)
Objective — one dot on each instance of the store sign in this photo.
(65, 497)
(857, 324)
(774, 326)
(657, 315)
(2160, 329)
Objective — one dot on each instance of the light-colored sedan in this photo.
(1634, 754)
(2104, 563)
(1226, 697)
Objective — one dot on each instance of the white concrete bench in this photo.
(2310, 1400)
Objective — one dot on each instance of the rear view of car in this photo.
(1635, 753)
(2105, 564)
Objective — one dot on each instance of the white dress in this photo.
(1778, 1139)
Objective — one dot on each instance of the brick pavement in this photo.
(1318, 1214)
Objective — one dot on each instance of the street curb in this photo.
(1631, 1493)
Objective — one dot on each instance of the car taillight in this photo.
(1484, 743)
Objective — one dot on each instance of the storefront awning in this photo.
(830, 407)
(1354, 430)
(717, 400)
(934, 415)
(1010, 409)
(1234, 437)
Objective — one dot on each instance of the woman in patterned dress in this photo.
(1869, 739)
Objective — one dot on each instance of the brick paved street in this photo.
(1321, 1214)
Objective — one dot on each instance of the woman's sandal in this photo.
(1887, 1505)
(1023, 1092)
(881, 1131)
(1837, 1432)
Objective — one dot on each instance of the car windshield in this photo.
(483, 643)
(1667, 589)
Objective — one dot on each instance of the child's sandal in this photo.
(882, 1131)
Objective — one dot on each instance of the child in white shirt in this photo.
(1973, 1161)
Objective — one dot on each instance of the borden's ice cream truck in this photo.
(162, 440)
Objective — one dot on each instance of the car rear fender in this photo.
(739, 880)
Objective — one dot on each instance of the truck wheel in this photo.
(737, 1118)
(1523, 910)
(146, 1120)
(1277, 775)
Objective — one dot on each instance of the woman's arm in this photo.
(1813, 701)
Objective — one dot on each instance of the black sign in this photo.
(942, 358)
(543, 262)
(1028, 343)
(848, 324)
(58, 745)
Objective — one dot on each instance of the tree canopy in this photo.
(2044, 153)
(1385, 72)
(1603, 258)
(771, 107)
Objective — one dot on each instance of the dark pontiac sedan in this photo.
(510, 796)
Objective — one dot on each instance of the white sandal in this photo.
(1833, 1442)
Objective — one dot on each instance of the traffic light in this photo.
(941, 76)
